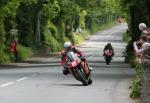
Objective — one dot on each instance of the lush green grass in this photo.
(103, 26)
(79, 38)
(107, 25)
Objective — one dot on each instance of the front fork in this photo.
(85, 67)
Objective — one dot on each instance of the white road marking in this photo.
(18, 80)
(4, 85)
(22, 79)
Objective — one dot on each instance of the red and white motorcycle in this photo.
(78, 68)
(108, 54)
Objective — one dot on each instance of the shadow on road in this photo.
(70, 85)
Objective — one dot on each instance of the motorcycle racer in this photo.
(69, 47)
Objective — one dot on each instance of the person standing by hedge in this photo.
(147, 51)
(14, 50)
(144, 29)
(143, 49)
(148, 39)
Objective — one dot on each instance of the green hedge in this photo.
(4, 58)
(130, 58)
(136, 84)
(135, 89)
(54, 44)
(126, 37)
(24, 53)
(129, 54)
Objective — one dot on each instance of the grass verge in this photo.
(80, 38)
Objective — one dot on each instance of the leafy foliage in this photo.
(136, 84)
(129, 54)
(138, 11)
(24, 53)
(52, 22)
(126, 37)
(50, 9)
(135, 89)
(5, 58)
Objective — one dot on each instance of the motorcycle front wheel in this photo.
(82, 77)
(108, 60)
(90, 81)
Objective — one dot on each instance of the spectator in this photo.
(119, 19)
(147, 51)
(144, 30)
(145, 46)
(148, 39)
(14, 50)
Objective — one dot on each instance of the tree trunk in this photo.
(134, 13)
(148, 6)
(38, 29)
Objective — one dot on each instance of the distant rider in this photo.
(67, 48)
(108, 49)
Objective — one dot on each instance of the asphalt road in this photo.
(49, 85)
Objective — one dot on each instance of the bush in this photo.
(129, 54)
(67, 39)
(24, 53)
(136, 84)
(131, 59)
(135, 89)
(126, 37)
(53, 43)
(53, 30)
(102, 26)
(138, 69)
(4, 58)
(52, 38)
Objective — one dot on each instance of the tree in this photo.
(31, 23)
(138, 11)
(7, 17)
(7, 21)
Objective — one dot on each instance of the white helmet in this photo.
(142, 26)
(67, 45)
